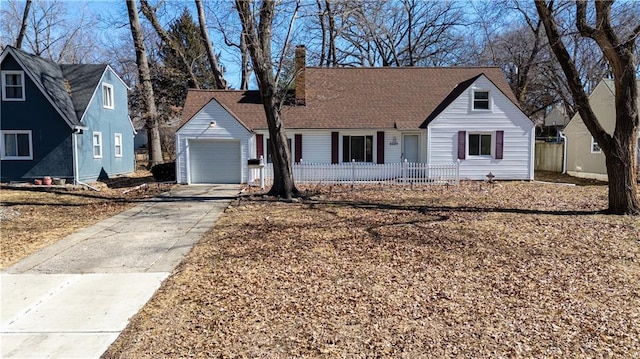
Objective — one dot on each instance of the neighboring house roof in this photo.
(557, 116)
(611, 87)
(69, 87)
(83, 81)
(387, 97)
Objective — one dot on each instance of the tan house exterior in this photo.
(584, 158)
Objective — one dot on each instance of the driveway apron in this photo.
(73, 298)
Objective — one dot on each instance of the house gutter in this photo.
(564, 151)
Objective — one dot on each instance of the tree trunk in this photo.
(619, 148)
(144, 79)
(221, 83)
(258, 40)
(23, 26)
(149, 13)
(246, 68)
(622, 177)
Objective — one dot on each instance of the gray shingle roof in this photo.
(70, 87)
(83, 80)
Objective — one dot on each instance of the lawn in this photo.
(477, 270)
(32, 217)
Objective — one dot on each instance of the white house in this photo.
(376, 115)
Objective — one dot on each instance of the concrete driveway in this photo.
(73, 298)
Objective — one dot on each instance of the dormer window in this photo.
(481, 100)
(12, 86)
(107, 96)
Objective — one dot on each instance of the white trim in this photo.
(481, 133)
(117, 136)
(374, 153)
(94, 144)
(4, 85)
(473, 100)
(594, 142)
(16, 132)
(107, 96)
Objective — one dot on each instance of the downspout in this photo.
(564, 151)
(76, 175)
(74, 139)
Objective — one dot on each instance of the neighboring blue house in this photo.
(66, 121)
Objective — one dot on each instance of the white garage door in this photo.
(215, 161)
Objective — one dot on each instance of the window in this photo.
(358, 148)
(117, 143)
(12, 86)
(107, 96)
(17, 145)
(97, 145)
(269, 160)
(481, 100)
(595, 148)
(479, 144)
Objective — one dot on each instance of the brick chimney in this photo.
(301, 59)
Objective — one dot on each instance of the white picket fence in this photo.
(362, 173)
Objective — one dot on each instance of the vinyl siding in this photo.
(51, 136)
(442, 141)
(580, 161)
(108, 122)
(316, 144)
(198, 127)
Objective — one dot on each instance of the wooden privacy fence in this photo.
(362, 172)
(549, 156)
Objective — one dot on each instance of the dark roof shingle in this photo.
(70, 87)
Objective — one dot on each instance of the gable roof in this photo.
(343, 98)
(69, 88)
(83, 81)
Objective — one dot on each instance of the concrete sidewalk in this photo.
(73, 298)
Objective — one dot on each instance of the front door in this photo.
(410, 148)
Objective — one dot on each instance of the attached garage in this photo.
(214, 161)
(213, 147)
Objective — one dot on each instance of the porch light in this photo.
(212, 124)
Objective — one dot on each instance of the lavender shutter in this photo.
(462, 144)
(499, 144)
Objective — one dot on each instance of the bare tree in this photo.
(144, 80)
(404, 33)
(619, 147)
(49, 30)
(23, 26)
(258, 34)
(221, 83)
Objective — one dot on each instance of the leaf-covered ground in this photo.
(32, 217)
(477, 270)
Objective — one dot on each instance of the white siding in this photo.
(199, 127)
(316, 144)
(442, 141)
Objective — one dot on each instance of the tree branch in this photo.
(286, 42)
